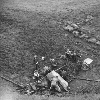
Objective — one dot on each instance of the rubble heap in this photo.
(80, 33)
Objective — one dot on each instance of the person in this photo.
(63, 74)
(53, 64)
(72, 56)
(46, 70)
(37, 65)
(55, 78)
(35, 59)
(54, 84)
(68, 54)
(29, 89)
(36, 76)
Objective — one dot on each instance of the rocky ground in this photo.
(36, 27)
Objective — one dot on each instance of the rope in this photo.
(11, 81)
(86, 79)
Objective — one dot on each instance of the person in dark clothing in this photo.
(54, 66)
(36, 65)
(72, 56)
(35, 59)
(68, 54)
(35, 72)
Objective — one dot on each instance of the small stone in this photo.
(78, 23)
(98, 42)
(74, 26)
(69, 22)
(76, 33)
(93, 40)
(62, 56)
(98, 36)
(87, 61)
(14, 76)
(35, 56)
(52, 59)
(26, 78)
(69, 28)
(43, 58)
(66, 35)
(84, 36)
(89, 17)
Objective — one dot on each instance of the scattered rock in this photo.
(62, 56)
(26, 78)
(78, 23)
(69, 22)
(98, 42)
(74, 26)
(76, 33)
(93, 40)
(42, 58)
(13, 76)
(98, 36)
(69, 28)
(89, 17)
(84, 36)
(66, 35)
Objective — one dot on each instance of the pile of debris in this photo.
(49, 79)
(52, 78)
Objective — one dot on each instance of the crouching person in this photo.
(55, 78)
(36, 76)
(54, 84)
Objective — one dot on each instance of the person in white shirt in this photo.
(54, 77)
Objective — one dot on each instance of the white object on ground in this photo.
(87, 61)
(43, 58)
